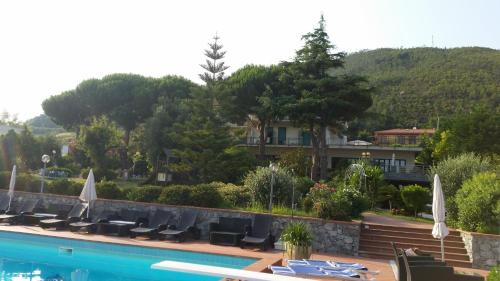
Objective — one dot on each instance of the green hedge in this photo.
(64, 187)
(24, 182)
(145, 194)
(109, 190)
(202, 195)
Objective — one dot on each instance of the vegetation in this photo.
(452, 173)
(259, 184)
(415, 197)
(416, 86)
(323, 100)
(478, 203)
(297, 234)
(494, 274)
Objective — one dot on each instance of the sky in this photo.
(47, 47)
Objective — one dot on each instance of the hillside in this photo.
(414, 86)
(42, 125)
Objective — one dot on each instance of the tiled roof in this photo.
(406, 132)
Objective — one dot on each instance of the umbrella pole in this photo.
(442, 249)
(88, 212)
(10, 200)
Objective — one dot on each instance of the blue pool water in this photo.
(41, 258)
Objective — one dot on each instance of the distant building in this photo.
(396, 158)
(402, 136)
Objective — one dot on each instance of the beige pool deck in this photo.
(264, 258)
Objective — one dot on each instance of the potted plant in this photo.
(298, 240)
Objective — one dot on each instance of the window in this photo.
(412, 140)
(401, 140)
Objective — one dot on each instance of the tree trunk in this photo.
(323, 152)
(262, 139)
(124, 150)
(315, 168)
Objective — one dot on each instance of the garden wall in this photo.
(483, 249)
(329, 236)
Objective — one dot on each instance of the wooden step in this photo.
(423, 247)
(370, 226)
(410, 240)
(427, 235)
(450, 262)
(378, 249)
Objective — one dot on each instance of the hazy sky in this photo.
(47, 47)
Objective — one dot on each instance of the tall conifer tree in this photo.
(214, 66)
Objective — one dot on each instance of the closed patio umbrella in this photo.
(12, 185)
(88, 193)
(439, 231)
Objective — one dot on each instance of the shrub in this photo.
(234, 195)
(478, 203)
(452, 173)
(338, 204)
(297, 234)
(109, 190)
(259, 184)
(494, 274)
(415, 197)
(59, 172)
(176, 195)
(206, 195)
(389, 196)
(302, 186)
(202, 195)
(144, 194)
(100, 174)
(64, 187)
(24, 181)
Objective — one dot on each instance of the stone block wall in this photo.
(483, 249)
(329, 236)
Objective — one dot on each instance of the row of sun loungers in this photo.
(159, 224)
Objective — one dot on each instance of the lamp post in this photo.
(293, 193)
(273, 168)
(45, 160)
(54, 157)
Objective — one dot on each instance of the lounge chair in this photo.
(53, 211)
(260, 233)
(89, 225)
(186, 227)
(328, 265)
(155, 224)
(61, 222)
(25, 207)
(315, 272)
(413, 260)
(434, 272)
(121, 225)
(228, 231)
(4, 203)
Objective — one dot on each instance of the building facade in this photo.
(397, 159)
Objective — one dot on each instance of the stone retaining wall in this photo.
(329, 236)
(483, 249)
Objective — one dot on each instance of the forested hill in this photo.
(417, 85)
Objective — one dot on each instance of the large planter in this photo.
(297, 252)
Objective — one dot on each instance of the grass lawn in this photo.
(387, 213)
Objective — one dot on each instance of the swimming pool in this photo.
(37, 258)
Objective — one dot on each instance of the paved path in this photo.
(369, 217)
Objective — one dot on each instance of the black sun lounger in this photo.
(25, 207)
(89, 225)
(186, 227)
(156, 223)
(53, 211)
(121, 225)
(435, 272)
(62, 222)
(260, 233)
(4, 203)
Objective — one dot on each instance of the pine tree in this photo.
(214, 67)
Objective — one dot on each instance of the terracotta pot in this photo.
(298, 252)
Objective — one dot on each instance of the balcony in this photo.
(276, 141)
(416, 173)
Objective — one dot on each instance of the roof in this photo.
(413, 131)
